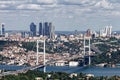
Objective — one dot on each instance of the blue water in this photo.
(97, 71)
(11, 67)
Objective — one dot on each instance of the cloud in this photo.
(12, 1)
(4, 11)
(76, 2)
(46, 1)
(7, 2)
(62, 7)
(115, 13)
(29, 6)
(52, 4)
(104, 4)
(67, 12)
(114, 1)
(2, 6)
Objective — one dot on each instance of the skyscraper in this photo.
(51, 30)
(40, 29)
(23, 34)
(46, 29)
(109, 31)
(33, 29)
(106, 32)
(3, 29)
(88, 33)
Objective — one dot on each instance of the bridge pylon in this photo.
(87, 46)
(44, 56)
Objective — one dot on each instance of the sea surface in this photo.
(97, 71)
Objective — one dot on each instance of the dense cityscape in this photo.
(85, 48)
(59, 40)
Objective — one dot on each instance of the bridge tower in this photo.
(87, 46)
(44, 58)
(37, 56)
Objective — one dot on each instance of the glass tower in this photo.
(33, 29)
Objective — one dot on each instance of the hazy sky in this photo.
(66, 15)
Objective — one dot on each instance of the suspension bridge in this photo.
(24, 70)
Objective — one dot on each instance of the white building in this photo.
(73, 63)
(60, 63)
(106, 32)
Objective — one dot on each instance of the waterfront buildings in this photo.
(71, 44)
(73, 63)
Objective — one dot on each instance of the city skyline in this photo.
(66, 15)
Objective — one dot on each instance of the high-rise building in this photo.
(23, 34)
(47, 29)
(33, 29)
(40, 29)
(52, 31)
(109, 31)
(106, 32)
(3, 29)
(88, 33)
